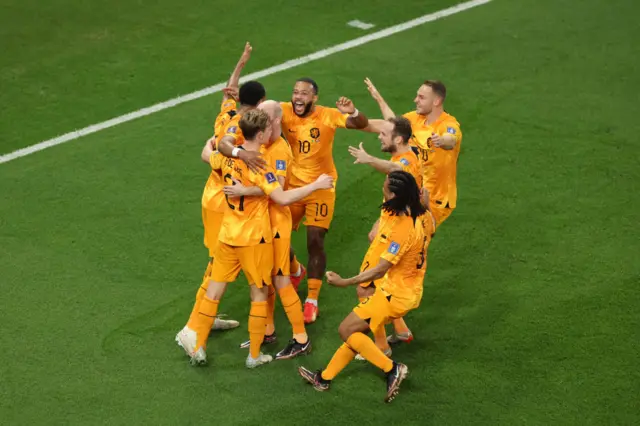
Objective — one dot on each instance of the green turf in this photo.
(530, 306)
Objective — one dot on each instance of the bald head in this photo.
(274, 111)
(272, 108)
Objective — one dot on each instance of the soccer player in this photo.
(437, 137)
(245, 242)
(212, 208)
(310, 130)
(401, 268)
(277, 154)
(395, 135)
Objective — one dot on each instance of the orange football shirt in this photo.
(213, 197)
(311, 140)
(278, 155)
(404, 280)
(246, 219)
(410, 164)
(439, 166)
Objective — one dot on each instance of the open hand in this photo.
(345, 106)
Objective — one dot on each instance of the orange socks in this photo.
(343, 356)
(203, 320)
(257, 319)
(271, 307)
(293, 309)
(380, 336)
(314, 288)
(201, 291)
(400, 326)
(295, 265)
(369, 351)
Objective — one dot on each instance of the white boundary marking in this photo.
(253, 76)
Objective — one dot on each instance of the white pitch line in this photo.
(253, 76)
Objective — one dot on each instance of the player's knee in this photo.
(259, 294)
(345, 330)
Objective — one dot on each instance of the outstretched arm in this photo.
(363, 157)
(356, 119)
(234, 80)
(284, 198)
(387, 112)
(372, 274)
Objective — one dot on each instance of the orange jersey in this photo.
(246, 220)
(311, 140)
(439, 165)
(410, 164)
(213, 198)
(404, 248)
(278, 155)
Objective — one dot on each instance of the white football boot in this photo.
(187, 339)
(257, 362)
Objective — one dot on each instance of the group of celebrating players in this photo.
(271, 166)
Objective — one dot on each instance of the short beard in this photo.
(307, 109)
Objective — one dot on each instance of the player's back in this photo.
(226, 124)
(404, 280)
(246, 219)
(311, 140)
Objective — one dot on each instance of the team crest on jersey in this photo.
(232, 129)
(270, 177)
(394, 248)
(315, 133)
(451, 130)
(281, 165)
(404, 161)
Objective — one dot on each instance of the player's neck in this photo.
(310, 113)
(251, 145)
(435, 115)
(244, 108)
(401, 150)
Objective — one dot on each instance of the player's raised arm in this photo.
(356, 119)
(363, 157)
(387, 112)
(284, 198)
(231, 91)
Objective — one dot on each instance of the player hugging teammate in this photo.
(271, 166)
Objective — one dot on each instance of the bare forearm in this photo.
(369, 275)
(225, 147)
(359, 122)
(253, 191)
(207, 150)
(384, 166)
(284, 198)
(386, 111)
(374, 126)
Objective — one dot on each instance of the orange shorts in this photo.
(281, 262)
(255, 261)
(212, 222)
(380, 309)
(317, 208)
(439, 211)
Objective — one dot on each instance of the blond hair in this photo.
(253, 122)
